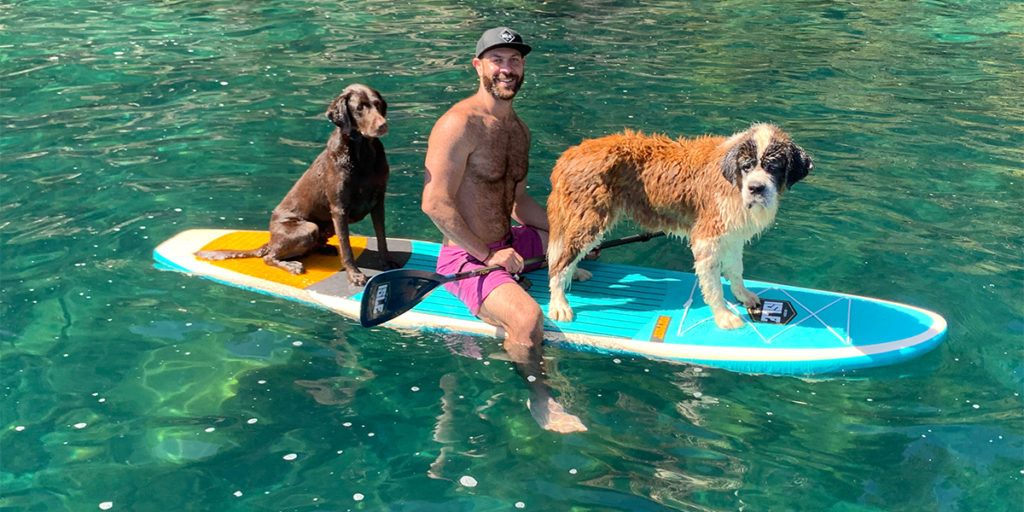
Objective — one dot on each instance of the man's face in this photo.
(501, 72)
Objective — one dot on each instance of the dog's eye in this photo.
(746, 164)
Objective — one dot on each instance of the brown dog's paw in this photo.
(294, 267)
(356, 278)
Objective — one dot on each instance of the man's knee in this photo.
(508, 306)
(528, 322)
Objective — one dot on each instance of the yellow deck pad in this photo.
(318, 266)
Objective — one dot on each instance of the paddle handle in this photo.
(487, 270)
(641, 237)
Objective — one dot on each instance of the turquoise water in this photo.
(127, 388)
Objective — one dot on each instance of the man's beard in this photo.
(495, 87)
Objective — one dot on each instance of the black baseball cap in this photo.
(501, 37)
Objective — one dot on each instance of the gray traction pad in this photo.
(369, 262)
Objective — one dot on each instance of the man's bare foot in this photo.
(551, 416)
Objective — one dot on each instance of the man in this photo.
(476, 164)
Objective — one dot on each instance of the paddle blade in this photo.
(392, 293)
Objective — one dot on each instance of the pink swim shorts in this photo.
(472, 291)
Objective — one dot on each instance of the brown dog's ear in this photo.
(800, 166)
(740, 157)
(338, 113)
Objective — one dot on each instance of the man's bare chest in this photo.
(501, 156)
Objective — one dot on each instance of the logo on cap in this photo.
(507, 36)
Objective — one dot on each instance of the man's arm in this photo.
(528, 211)
(448, 151)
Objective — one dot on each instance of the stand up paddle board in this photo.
(623, 309)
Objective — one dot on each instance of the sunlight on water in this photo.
(127, 388)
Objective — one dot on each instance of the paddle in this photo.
(389, 294)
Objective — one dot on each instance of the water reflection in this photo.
(341, 389)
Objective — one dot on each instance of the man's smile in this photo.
(507, 79)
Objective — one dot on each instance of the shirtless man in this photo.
(476, 164)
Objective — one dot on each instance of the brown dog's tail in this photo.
(228, 254)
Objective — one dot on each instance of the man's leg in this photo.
(508, 306)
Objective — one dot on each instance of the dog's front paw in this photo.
(747, 297)
(356, 278)
(726, 319)
(559, 310)
(560, 314)
(581, 275)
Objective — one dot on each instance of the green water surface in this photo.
(126, 388)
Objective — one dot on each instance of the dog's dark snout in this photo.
(756, 188)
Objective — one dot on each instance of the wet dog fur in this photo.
(719, 192)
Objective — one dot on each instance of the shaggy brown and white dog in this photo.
(717, 191)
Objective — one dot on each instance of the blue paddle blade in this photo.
(389, 294)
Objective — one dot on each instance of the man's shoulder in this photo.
(463, 118)
(459, 114)
(465, 110)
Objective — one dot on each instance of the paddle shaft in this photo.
(642, 237)
(389, 294)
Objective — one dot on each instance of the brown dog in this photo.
(719, 192)
(345, 182)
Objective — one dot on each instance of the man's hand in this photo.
(507, 258)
